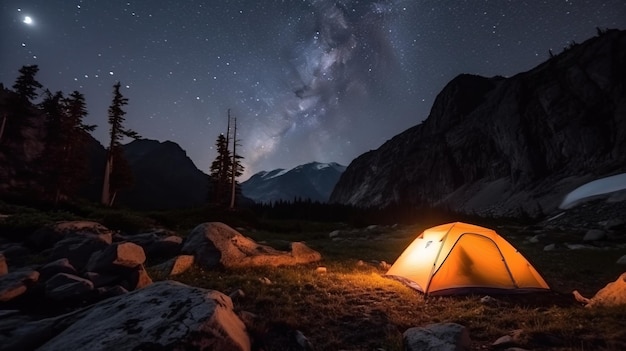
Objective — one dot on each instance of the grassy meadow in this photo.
(352, 306)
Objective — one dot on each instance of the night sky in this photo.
(310, 80)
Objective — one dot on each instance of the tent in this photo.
(457, 258)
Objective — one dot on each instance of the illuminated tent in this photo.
(458, 258)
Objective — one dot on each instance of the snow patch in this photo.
(597, 187)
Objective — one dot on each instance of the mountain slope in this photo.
(165, 177)
(506, 146)
(314, 181)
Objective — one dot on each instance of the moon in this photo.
(28, 20)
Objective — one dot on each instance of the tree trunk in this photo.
(107, 175)
(234, 165)
(4, 122)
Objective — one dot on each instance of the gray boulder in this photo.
(437, 337)
(49, 235)
(4, 269)
(174, 266)
(215, 244)
(78, 249)
(164, 316)
(16, 283)
(65, 286)
(62, 265)
(594, 235)
(157, 244)
(117, 255)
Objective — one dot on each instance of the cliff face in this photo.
(504, 146)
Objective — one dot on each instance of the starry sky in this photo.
(307, 80)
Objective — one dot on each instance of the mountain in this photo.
(314, 181)
(165, 177)
(506, 146)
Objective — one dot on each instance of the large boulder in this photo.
(174, 266)
(47, 236)
(16, 283)
(117, 255)
(65, 286)
(158, 243)
(164, 316)
(215, 244)
(4, 269)
(78, 249)
(437, 337)
(613, 294)
(62, 265)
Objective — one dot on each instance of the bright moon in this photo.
(28, 20)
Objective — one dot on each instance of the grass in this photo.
(354, 307)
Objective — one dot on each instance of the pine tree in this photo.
(117, 173)
(25, 88)
(219, 171)
(26, 85)
(226, 168)
(64, 160)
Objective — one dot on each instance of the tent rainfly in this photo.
(459, 258)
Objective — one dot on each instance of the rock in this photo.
(174, 266)
(549, 247)
(215, 244)
(4, 269)
(49, 235)
(164, 316)
(16, 283)
(503, 341)
(440, 337)
(65, 286)
(106, 292)
(613, 294)
(594, 235)
(78, 249)
(156, 244)
(384, 265)
(488, 300)
(320, 270)
(621, 260)
(265, 281)
(100, 280)
(534, 239)
(334, 233)
(136, 278)
(610, 224)
(125, 254)
(15, 254)
(61, 265)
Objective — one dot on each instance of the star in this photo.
(28, 20)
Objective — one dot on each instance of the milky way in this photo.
(311, 80)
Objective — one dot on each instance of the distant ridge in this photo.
(314, 181)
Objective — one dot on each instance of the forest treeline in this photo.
(44, 153)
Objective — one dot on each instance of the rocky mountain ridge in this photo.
(506, 146)
(314, 181)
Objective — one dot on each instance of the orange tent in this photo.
(459, 258)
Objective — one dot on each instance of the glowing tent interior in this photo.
(457, 258)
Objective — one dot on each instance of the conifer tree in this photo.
(226, 168)
(25, 88)
(219, 171)
(117, 174)
(26, 85)
(64, 160)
